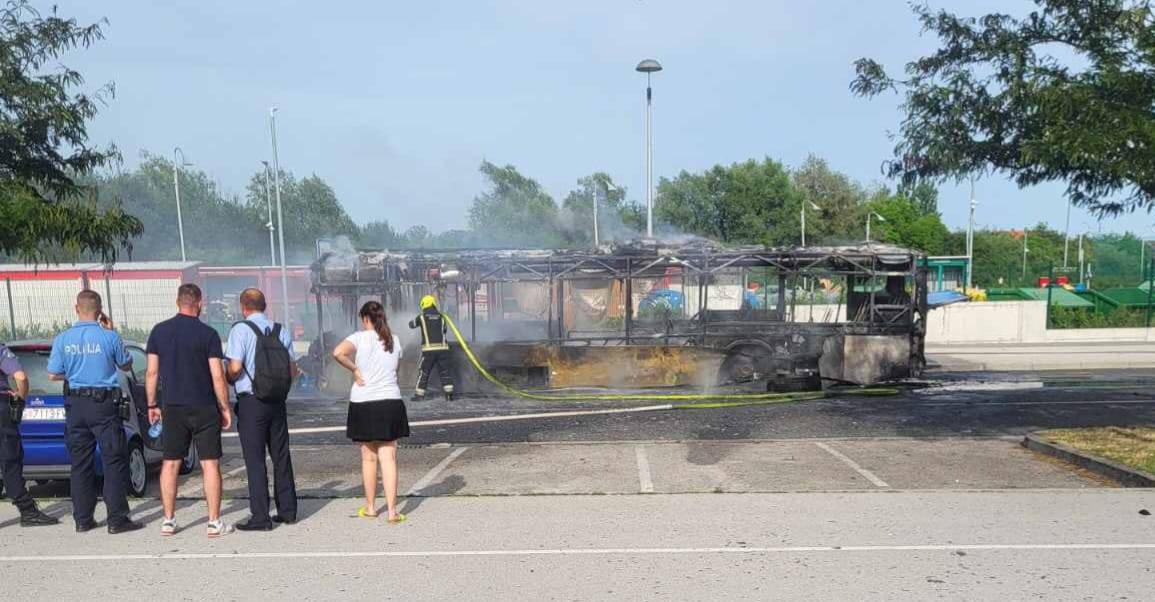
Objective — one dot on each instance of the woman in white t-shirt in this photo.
(377, 417)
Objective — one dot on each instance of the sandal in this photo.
(363, 513)
(400, 518)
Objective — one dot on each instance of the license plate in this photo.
(43, 414)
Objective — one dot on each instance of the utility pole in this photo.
(1067, 235)
(176, 165)
(269, 221)
(280, 216)
(1081, 264)
(1025, 251)
(649, 67)
(971, 238)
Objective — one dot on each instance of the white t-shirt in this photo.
(378, 367)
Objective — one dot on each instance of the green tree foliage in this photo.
(618, 218)
(907, 224)
(378, 235)
(310, 209)
(45, 213)
(1062, 94)
(515, 211)
(842, 216)
(750, 202)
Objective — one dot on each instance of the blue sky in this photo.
(395, 104)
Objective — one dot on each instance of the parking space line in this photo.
(433, 473)
(645, 479)
(870, 476)
(584, 552)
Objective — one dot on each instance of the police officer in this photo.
(11, 446)
(434, 349)
(87, 356)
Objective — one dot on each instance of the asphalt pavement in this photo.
(922, 494)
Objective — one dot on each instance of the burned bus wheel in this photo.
(744, 364)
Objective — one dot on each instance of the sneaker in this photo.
(168, 527)
(218, 528)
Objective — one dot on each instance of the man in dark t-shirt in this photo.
(185, 362)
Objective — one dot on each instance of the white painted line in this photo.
(1105, 402)
(581, 552)
(434, 472)
(870, 476)
(481, 419)
(645, 480)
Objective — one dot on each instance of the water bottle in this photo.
(155, 430)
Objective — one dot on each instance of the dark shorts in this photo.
(184, 425)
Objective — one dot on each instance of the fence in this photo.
(40, 308)
(1081, 306)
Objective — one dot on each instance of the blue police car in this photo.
(45, 447)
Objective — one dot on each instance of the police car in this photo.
(45, 447)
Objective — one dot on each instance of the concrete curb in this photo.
(1124, 475)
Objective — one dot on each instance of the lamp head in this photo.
(649, 66)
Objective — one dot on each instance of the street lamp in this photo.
(1025, 251)
(269, 222)
(1067, 235)
(176, 165)
(280, 216)
(870, 215)
(602, 189)
(971, 237)
(649, 67)
(802, 213)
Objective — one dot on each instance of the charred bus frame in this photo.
(883, 298)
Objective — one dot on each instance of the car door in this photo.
(135, 382)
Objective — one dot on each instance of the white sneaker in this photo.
(219, 528)
(168, 527)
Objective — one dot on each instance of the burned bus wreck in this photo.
(648, 313)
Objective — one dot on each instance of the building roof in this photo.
(123, 266)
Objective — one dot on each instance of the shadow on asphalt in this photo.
(448, 486)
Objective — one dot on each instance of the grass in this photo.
(1134, 447)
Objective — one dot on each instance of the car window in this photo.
(139, 362)
(35, 364)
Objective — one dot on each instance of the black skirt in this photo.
(382, 420)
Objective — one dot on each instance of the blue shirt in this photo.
(88, 356)
(243, 346)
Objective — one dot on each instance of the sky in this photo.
(395, 104)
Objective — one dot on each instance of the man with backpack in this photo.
(262, 368)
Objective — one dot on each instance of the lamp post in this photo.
(269, 221)
(971, 237)
(176, 165)
(649, 67)
(1025, 251)
(803, 218)
(280, 216)
(870, 215)
(1067, 235)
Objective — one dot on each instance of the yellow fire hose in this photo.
(716, 400)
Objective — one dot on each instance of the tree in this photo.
(906, 225)
(841, 216)
(310, 209)
(618, 218)
(45, 213)
(1063, 94)
(515, 211)
(379, 234)
(750, 202)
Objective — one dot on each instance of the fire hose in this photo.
(705, 400)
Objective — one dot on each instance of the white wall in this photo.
(1023, 322)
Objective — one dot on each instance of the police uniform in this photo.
(88, 356)
(434, 349)
(12, 446)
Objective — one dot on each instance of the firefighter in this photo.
(434, 349)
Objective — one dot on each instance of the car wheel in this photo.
(137, 470)
(189, 463)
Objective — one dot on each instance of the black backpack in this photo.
(272, 365)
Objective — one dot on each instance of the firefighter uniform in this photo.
(435, 352)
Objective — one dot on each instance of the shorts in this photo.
(381, 420)
(184, 425)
